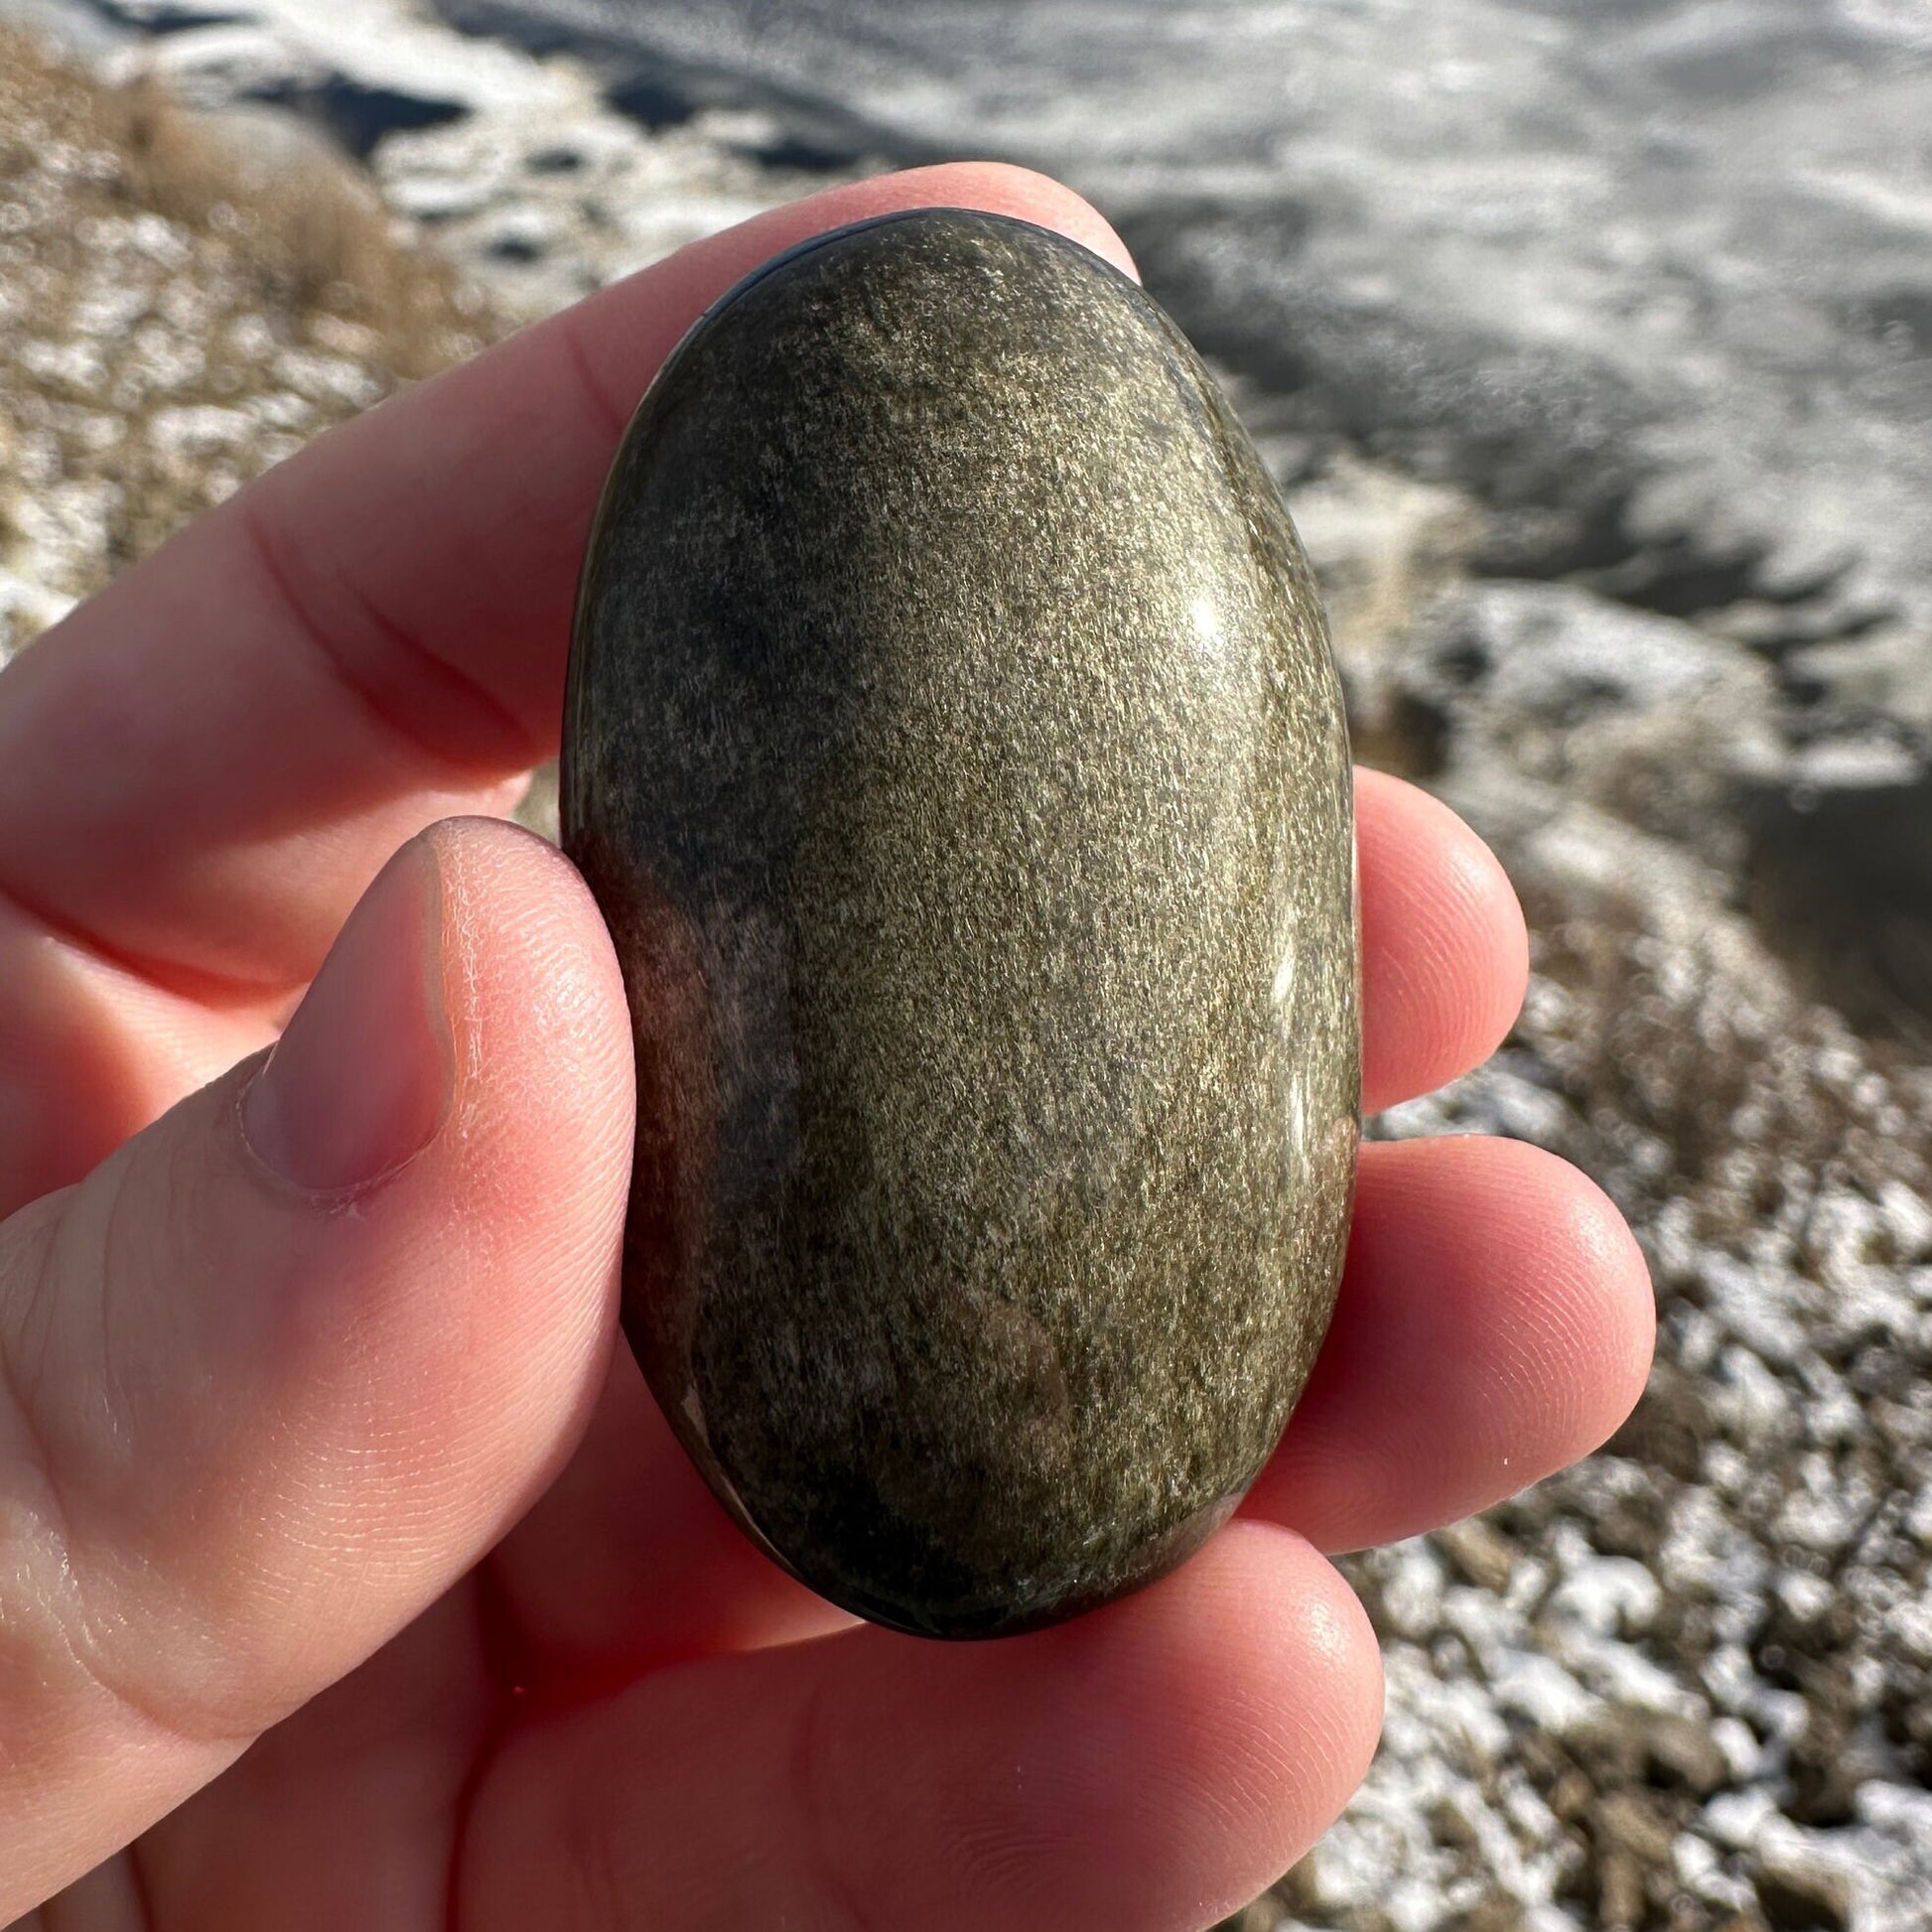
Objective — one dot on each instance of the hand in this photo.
(349, 1576)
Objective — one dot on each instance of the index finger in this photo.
(205, 766)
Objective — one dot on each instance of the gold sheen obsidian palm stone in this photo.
(953, 746)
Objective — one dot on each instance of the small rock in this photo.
(1480, 1554)
(1619, 1890)
(1687, 1752)
(1800, 1894)
(1629, 1819)
(955, 751)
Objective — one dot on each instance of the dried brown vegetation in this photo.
(315, 232)
(1693, 1091)
(179, 309)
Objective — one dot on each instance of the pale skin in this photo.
(349, 1576)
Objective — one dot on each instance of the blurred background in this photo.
(1592, 345)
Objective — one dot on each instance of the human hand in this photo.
(349, 1576)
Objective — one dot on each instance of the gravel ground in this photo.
(1682, 1686)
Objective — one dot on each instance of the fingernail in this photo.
(361, 1077)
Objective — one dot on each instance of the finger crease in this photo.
(611, 419)
(67, 1618)
(142, 1709)
(40, 1469)
(222, 991)
(488, 735)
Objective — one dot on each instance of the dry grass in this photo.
(177, 312)
(315, 231)
(1694, 1091)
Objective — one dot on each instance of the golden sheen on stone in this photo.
(954, 748)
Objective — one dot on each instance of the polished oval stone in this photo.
(953, 746)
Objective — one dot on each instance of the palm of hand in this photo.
(337, 1538)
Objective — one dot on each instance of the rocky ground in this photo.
(1684, 1686)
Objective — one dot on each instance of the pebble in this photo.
(954, 747)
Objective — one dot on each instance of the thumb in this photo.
(288, 1363)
